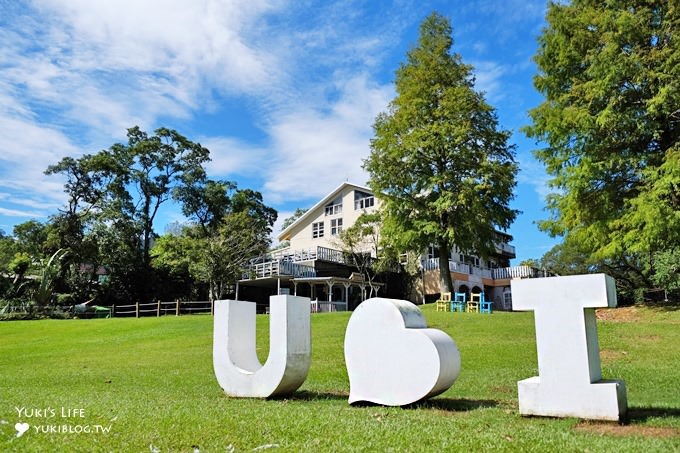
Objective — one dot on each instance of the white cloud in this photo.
(489, 79)
(317, 149)
(533, 173)
(234, 157)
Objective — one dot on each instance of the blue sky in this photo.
(283, 93)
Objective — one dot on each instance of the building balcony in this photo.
(294, 263)
(495, 274)
(277, 268)
(506, 250)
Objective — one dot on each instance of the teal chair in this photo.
(458, 302)
(485, 306)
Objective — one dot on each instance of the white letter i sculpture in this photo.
(569, 383)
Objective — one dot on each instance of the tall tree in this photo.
(610, 124)
(114, 196)
(154, 165)
(217, 251)
(206, 202)
(439, 162)
(30, 237)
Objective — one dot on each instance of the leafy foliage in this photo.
(610, 123)
(439, 163)
(217, 251)
(48, 274)
(114, 196)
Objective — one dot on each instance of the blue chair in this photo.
(458, 302)
(485, 306)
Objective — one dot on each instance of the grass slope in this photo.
(151, 381)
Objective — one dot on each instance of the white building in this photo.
(313, 266)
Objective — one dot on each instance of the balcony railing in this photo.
(504, 247)
(310, 254)
(495, 274)
(278, 267)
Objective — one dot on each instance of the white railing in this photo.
(279, 267)
(310, 254)
(505, 247)
(511, 272)
(518, 272)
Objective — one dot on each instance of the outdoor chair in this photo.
(485, 306)
(458, 302)
(444, 302)
(473, 303)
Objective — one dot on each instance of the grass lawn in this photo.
(150, 382)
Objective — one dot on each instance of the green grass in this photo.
(151, 380)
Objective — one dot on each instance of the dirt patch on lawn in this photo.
(613, 429)
(620, 314)
(608, 355)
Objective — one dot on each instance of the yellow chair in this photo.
(473, 303)
(444, 302)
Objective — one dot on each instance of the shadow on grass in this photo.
(311, 395)
(453, 405)
(642, 414)
(441, 404)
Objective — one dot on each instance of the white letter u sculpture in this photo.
(237, 368)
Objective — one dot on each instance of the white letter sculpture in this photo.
(237, 368)
(569, 383)
(392, 357)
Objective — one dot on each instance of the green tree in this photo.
(155, 166)
(7, 250)
(18, 266)
(288, 221)
(439, 163)
(610, 125)
(206, 202)
(360, 243)
(114, 197)
(30, 237)
(229, 230)
(667, 274)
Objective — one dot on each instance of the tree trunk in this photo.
(445, 281)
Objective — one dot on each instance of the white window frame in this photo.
(333, 209)
(317, 230)
(364, 203)
(336, 226)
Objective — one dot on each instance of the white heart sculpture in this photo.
(392, 357)
(21, 428)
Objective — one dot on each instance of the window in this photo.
(403, 259)
(363, 203)
(363, 200)
(507, 300)
(469, 259)
(317, 230)
(336, 227)
(334, 209)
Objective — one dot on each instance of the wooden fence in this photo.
(160, 308)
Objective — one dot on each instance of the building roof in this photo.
(285, 234)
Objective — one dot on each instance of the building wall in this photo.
(302, 236)
(494, 290)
